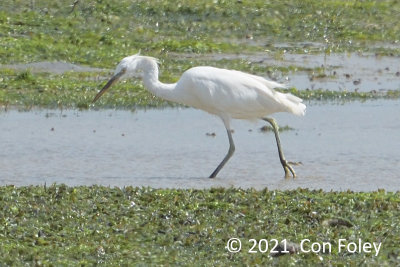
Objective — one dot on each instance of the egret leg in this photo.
(286, 166)
(230, 151)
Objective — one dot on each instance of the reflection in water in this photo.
(352, 146)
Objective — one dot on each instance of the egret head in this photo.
(130, 67)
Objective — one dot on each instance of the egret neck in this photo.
(165, 91)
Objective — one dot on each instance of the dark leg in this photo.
(284, 162)
(230, 152)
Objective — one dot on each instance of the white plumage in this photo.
(225, 93)
(235, 94)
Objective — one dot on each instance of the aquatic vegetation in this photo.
(321, 94)
(267, 128)
(96, 33)
(61, 225)
(70, 90)
(77, 90)
(100, 33)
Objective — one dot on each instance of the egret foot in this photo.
(287, 167)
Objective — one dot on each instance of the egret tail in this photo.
(292, 103)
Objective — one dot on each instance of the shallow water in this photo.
(351, 72)
(352, 146)
(340, 71)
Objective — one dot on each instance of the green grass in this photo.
(97, 33)
(100, 33)
(70, 90)
(77, 89)
(61, 225)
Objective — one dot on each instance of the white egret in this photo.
(225, 93)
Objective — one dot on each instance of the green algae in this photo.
(97, 32)
(100, 33)
(61, 225)
(77, 90)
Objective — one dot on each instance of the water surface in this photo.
(336, 71)
(351, 146)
